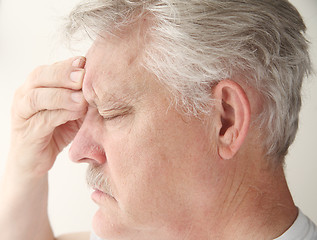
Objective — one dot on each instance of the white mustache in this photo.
(96, 180)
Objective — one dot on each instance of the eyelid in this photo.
(113, 113)
(111, 117)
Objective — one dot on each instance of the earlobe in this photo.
(233, 117)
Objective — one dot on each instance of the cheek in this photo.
(153, 163)
(140, 178)
(138, 165)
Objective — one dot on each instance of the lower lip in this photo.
(98, 196)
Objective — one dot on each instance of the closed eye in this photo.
(111, 114)
(109, 118)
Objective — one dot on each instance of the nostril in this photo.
(88, 152)
(96, 154)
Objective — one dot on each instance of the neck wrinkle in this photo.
(254, 203)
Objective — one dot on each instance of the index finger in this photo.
(65, 74)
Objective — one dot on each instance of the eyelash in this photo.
(111, 117)
(115, 116)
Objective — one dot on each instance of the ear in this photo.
(232, 117)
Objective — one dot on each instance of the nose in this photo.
(87, 144)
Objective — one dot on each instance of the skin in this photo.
(173, 176)
(143, 151)
(45, 118)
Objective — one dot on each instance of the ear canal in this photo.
(228, 121)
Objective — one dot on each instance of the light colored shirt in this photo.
(93, 236)
(302, 229)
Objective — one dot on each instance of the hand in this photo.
(46, 115)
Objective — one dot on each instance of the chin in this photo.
(108, 227)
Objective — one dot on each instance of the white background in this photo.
(29, 37)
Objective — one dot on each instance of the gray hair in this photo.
(198, 43)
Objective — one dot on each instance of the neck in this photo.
(253, 203)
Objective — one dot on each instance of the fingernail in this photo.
(77, 97)
(79, 62)
(77, 76)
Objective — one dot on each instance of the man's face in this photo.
(156, 160)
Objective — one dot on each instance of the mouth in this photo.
(100, 184)
(100, 196)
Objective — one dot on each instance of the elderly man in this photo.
(184, 111)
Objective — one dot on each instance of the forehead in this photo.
(113, 70)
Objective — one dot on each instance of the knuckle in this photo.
(45, 118)
(21, 102)
(52, 119)
(32, 99)
(36, 72)
(35, 76)
(59, 71)
(57, 97)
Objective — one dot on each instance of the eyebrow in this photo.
(115, 102)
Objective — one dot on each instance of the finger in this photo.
(66, 74)
(41, 99)
(43, 123)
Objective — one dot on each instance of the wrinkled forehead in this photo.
(113, 70)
